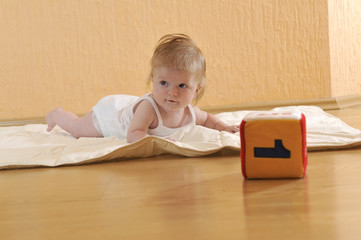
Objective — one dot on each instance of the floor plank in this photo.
(173, 197)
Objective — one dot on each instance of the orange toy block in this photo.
(273, 145)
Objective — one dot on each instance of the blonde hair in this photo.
(180, 52)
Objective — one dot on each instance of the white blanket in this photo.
(31, 145)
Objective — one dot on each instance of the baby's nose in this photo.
(174, 91)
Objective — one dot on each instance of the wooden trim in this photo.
(334, 103)
(21, 122)
(348, 101)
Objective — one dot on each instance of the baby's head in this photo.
(179, 52)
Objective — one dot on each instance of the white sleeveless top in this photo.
(112, 116)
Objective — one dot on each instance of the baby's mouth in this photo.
(171, 101)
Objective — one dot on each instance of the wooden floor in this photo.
(173, 197)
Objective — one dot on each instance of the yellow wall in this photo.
(71, 53)
(345, 46)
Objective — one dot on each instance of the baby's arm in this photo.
(143, 117)
(210, 121)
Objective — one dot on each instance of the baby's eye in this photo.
(182, 85)
(163, 83)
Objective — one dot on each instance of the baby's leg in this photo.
(76, 126)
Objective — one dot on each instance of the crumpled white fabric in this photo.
(31, 145)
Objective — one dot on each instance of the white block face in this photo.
(269, 115)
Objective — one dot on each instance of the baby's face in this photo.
(173, 89)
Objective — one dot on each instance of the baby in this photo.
(178, 77)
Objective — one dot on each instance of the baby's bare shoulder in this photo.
(143, 105)
(145, 112)
(201, 116)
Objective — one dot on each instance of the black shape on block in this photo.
(279, 151)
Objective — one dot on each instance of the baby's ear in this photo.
(198, 87)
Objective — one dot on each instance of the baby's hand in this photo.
(170, 139)
(232, 129)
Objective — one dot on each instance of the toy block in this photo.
(273, 145)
